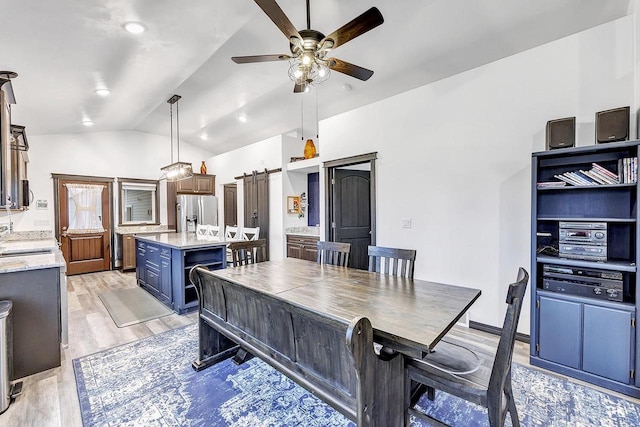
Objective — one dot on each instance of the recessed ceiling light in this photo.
(242, 118)
(204, 137)
(87, 122)
(103, 92)
(135, 27)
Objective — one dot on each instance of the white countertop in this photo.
(9, 247)
(142, 229)
(182, 240)
(35, 254)
(303, 231)
(32, 262)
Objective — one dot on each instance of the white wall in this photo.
(266, 154)
(455, 156)
(104, 154)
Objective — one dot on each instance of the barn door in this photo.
(256, 202)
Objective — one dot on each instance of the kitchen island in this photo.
(32, 277)
(163, 262)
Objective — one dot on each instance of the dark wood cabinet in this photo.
(583, 302)
(198, 184)
(128, 252)
(302, 247)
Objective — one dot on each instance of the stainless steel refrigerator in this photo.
(192, 210)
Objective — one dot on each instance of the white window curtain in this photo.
(85, 208)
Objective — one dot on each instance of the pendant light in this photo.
(179, 170)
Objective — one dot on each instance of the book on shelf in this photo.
(605, 172)
(551, 184)
(628, 170)
(566, 179)
(594, 177)
(599, 175)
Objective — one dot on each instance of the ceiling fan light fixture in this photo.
(316, 72)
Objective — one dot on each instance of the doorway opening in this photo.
(350, 195)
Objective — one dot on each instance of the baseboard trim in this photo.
(496, 331)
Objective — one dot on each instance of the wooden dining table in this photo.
(258, 307)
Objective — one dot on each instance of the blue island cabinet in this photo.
(163, 264)
(584, 266)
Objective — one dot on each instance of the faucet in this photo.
(8, 207)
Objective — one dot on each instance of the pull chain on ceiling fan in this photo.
(309, 48)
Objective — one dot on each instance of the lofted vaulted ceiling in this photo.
(63, 51)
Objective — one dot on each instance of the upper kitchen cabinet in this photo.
(14, 186)
(198, 184)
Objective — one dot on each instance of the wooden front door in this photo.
(84, 223)
(230, 205)
(352, 213)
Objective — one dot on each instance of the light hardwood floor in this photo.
(50, 398)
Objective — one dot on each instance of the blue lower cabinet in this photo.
(560, 331)
(165, 281)
(608, 332)
(141, 254)
(164, 271)
(594, 338)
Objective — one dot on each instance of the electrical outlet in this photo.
(405, 222)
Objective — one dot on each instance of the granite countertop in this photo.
(12, 247)
(30, 254)
(143, 229)
(182, 240)
(303, 231)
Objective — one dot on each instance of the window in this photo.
(138, 201)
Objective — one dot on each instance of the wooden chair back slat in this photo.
(388, 260)
(335, 253)
(248, 251)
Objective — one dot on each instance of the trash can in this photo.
(6, 354)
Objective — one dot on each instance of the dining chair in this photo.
(213, 231)
(244, 252)
(335, 253)
(488, 384)
(387, 260)
(201, 230)
(231, 233)
(249, 233)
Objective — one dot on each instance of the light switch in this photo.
(405, 222)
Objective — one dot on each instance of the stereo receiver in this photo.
(583, 240)
(600, 284)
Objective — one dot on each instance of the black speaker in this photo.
(612, 125)
(561, 133)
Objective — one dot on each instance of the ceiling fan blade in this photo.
(273, 11)
(358, 26)
(299, 88)
(349, 69)
(259, 58)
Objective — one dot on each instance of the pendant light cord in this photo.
(171, 137)
(178, 127)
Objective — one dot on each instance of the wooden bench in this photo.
(332, 358)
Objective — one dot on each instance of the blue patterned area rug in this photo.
(150, 382)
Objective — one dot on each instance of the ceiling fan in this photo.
(309, 48)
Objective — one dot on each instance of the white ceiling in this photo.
(66, 49)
